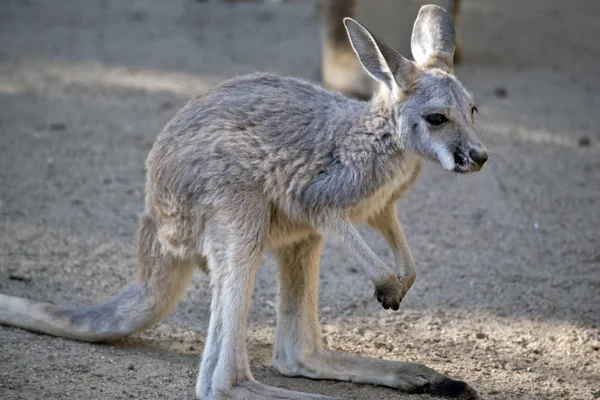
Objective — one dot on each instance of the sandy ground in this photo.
(508, 292)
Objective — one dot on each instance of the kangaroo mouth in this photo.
(463, 164)
(466, 169)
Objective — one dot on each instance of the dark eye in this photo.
(474, 110)
(436, 119)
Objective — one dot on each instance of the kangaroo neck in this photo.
(370, 134)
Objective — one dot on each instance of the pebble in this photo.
(500, 92)
(57, 126)
(584, 141)
(17, 277)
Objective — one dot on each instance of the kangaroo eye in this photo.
(436, 119)
(474, 110)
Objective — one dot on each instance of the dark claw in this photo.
(452, 388)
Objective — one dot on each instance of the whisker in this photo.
(497, 154)
(495, 178)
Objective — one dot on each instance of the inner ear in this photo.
(433, 38)
(378, 58)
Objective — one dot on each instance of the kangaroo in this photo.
(262, 163)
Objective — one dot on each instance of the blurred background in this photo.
(508, 289)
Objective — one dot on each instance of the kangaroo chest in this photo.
(390, 192)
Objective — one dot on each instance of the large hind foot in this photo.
(404, 376)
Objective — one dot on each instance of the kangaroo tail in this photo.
(161, 282)
(132, 310)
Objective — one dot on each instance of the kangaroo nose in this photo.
(478, 156)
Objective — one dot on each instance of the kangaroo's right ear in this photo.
(379, 59)
(433, 38)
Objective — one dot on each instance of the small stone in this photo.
(500, 92)
(359, 331)
(137, 16)
(386, 346)
(165, 105)
(131, 367)
(17, 277)
(480, 335)
(477, 215)
(57, 126)
(584, 141)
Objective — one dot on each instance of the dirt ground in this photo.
(508, 292)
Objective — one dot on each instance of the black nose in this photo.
(478, 156)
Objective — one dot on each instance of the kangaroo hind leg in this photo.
(300, 351)
(234, 249)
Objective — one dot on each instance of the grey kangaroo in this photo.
(269, 163)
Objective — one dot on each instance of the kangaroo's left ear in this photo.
(433, 39)
(379, 59)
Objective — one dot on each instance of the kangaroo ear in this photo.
(433, 38)
(379, 59)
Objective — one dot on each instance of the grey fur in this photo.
(261, 163)
(119, 308)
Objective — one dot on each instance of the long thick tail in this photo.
(130, 311)
(160, 283)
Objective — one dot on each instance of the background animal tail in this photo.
(160, 283)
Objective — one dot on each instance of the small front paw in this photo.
(390, 292)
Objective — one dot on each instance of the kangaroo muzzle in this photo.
(470, 160)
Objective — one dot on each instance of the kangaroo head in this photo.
(434, 113)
